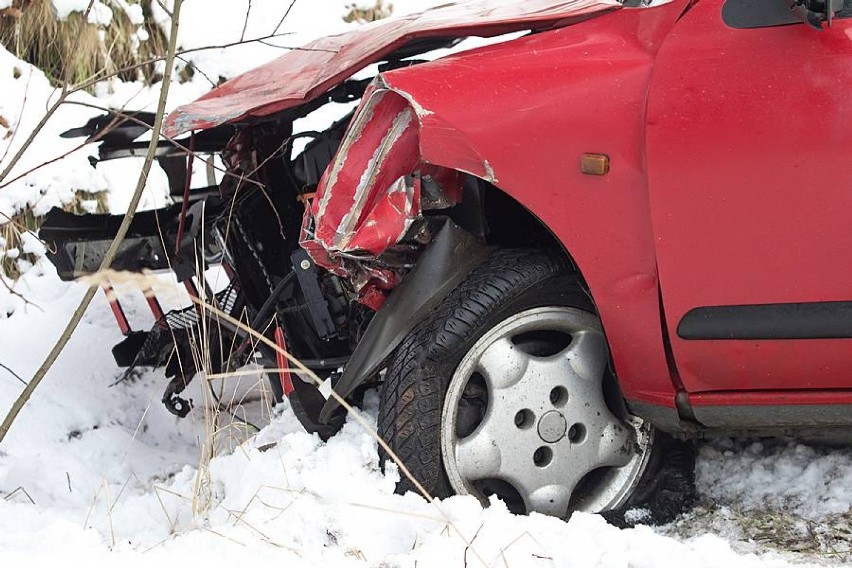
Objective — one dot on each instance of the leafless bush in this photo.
(363, 14)
(73, 49)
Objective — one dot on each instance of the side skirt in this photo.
(778, 413)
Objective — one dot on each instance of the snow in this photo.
(100, 472)
(778, 474)
(99, 13)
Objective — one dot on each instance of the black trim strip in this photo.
(810, 320)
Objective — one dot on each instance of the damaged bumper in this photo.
(372, 197)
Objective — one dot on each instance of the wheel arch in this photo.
(512, 223)
(522, 124)
(520, 116)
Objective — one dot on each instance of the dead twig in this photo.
(245, 22)
(284, 17)
(19, 489)
(14, 374)
(355, 414)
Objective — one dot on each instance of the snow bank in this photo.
(777, 474)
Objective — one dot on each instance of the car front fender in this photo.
(521, 115)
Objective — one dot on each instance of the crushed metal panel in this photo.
(302, 75)
(365, 202)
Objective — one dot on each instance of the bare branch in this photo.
(284, 17)
(165, 8)
(103, 132)
(18, 295)
(245, 23)
(14, 374)
(198, 70)
(28, 142)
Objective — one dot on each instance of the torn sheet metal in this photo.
(367, 199)
(372, 193)
(367, 179)
(302, 75)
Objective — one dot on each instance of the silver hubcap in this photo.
(540, 421)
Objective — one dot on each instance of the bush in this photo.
(364, 14)
(75, 49)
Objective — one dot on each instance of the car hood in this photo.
(306, 73)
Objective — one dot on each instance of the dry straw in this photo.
(32, 31)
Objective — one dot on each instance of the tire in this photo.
(506, 390)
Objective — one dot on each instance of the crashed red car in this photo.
(559, 257)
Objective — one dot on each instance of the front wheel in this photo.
(506, 390)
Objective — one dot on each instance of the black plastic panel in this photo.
(749, 14)
(812, 320)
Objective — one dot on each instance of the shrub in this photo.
(75, 49)
(364, 14)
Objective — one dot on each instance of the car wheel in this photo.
(506, 390)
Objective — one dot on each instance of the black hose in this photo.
(270, 301)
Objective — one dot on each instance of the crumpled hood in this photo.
(304, 74)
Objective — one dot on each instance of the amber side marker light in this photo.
(594, 164)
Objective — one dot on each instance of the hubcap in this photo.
(543, 427)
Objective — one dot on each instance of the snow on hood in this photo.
(302, 75)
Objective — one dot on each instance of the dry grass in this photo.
(830, 537)
(364, 14)
(76, 50)
(33, 33)
(222, 429)
(222, 422)
(11, 242)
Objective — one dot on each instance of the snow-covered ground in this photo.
(101, 472)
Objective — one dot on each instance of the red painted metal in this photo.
(229, 272)
(283, 366)
(524, 123)
(191, 288)
(117, 310)
(749, 134)
(304, 74)
(728, 178)
(155, 307)
(356, 213)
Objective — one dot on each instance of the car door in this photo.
(749, 156)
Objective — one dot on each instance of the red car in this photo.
(559, 257)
